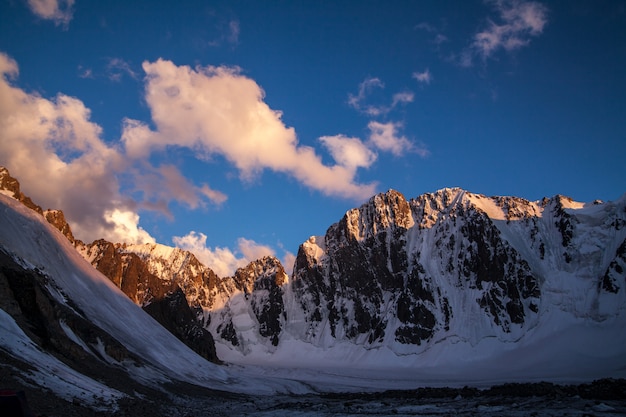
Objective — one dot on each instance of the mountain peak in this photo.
(10, 186)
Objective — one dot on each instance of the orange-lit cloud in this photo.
(349, 152)
(216, 110)
(57, 153)
(223, 261)
(367, 87)
(519, 22)
(384, 136)
(59, 11)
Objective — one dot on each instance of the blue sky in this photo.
(237, 129)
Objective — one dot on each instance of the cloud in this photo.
(349, 152)
(424, 77)
(520, 21)
(366, 88)
(233, 34)
(252, 250)
(162, 184)
(218, 111)
(222, 261)
(85, 72)
(230, 34)
(55, 138)
(402, 97)
(439, 36)
(125, 227)
(384, 136)
(59, 11)
(116, 68)
(210, 111)
(288, 260)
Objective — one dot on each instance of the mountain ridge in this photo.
(493, 287)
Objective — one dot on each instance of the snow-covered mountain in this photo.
(456, 279)
(449, 287)
(68, 310)
(68, 329)
(456, 266)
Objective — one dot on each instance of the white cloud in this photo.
(212, 110)
(230, 34)
(424, 76)
(216, 110)
(349, 152)
(59, 11)
(366, 88)
(55, 139)
(125, 227)
(165, 183)
(520, 20)
(222, 261)
(402, 97)
(439, 37)
(252, 251)
(384, 136)
(117, 68)
(233, 34)
(85, 72)
(288, 260)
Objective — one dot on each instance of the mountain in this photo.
(68, 330)
(77, 333)
(130, 272)
(453, 265)
(494, 285)
(449, 287)
(169, 284)
(256, 307)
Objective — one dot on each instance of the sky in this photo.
(238, 129)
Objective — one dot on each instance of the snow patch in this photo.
(53, 374)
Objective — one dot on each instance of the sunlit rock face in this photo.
(11, 187)
(147, 274)
(407, 275)
(456, 265)
(170, 284)
(57, 219)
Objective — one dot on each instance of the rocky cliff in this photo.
(410, 273)
(138, 279)
(445, 268)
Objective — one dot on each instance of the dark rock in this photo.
(173, 312)
(262, 281)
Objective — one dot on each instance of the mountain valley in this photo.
(447, 289)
